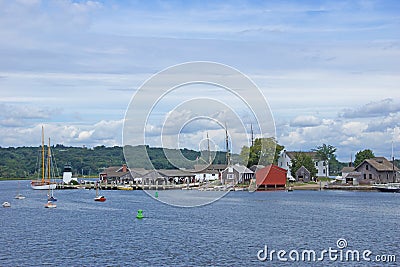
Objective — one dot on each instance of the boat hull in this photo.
(42, 186)
(100, 199)
(50, 205)
(389, 189)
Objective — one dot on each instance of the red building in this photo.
(271, 177)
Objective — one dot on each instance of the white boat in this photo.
(50, 205)
(390, 187)
(6, 204)
(43, 183)
(19, 196)
(98, 197)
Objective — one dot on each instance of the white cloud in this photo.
(305, 121)
(77, 63)
(373, 109)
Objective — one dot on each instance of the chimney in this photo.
(124, 168)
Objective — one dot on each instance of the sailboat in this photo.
(43, 183)
(19, 195)
(50, 196)
(99, 197)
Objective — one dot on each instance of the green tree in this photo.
(264, 151)
(303, 159)
(326, 153)
(362, 155)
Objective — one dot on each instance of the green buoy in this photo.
(156, 194)
(139, 214)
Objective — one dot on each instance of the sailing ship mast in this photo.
(208, 149)
(43, 168)
(228, 157)
(393, 174)
(49, 162)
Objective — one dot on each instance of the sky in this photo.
(329, 70)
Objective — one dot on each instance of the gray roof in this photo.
(347, 169)
(240, 169)
(381, 164)
(175, 173)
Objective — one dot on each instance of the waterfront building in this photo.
(237, 174)
(286, 157)
(303, 175)
(377, 170)
(271, 177)
(207, 173)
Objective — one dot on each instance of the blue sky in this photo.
(330, 70)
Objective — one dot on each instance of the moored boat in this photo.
(390, 187)
(43, 183)
(6, 204)
(50, 205)
(98, 197)
(19, 196)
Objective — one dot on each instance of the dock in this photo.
(89, 186)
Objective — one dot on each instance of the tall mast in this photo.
(49, 162)
(252, 135)
(208, 148)
(42, 155)
(228, 157)
(394, 174)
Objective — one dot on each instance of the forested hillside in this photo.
(23, 162)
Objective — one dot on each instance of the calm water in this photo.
(229, 232)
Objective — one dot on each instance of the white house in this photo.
(206, 173)
(285, 161)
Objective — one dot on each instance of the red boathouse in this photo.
(271, 177)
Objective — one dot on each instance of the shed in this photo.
(271, 177)
(303, 175)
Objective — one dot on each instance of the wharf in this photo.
(350, 187)
(62, 186)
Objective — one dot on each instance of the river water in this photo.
(236, 230)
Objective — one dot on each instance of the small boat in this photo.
(290, 189)
(50, 205)
(390, 187)
(6, 204)
(99, 197)
(19, 196)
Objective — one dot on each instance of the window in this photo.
(323, 171)
(230, 176)
(316, 164)
(280, 164)
(366, 167)
(370, 176)
(365, 176)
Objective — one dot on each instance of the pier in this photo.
(103, 186)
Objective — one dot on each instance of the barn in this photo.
(271, 177)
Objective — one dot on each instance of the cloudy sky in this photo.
(330, 70)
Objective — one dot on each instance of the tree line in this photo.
(24, 162)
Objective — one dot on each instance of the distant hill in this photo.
(23, 162)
